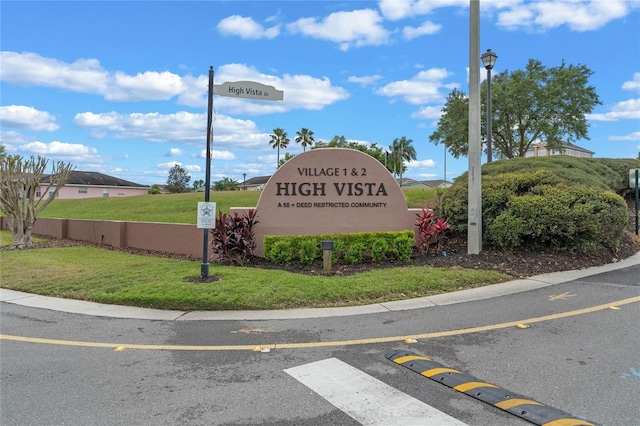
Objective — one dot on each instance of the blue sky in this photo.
(120, 87)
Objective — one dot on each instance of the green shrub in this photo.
(507, 230)
(339, 248)
(575, 219)
(347, 248)
(354, 253)
(403, 247)
(307, 251)
(379, 250)
(561, 202)
(280, 252)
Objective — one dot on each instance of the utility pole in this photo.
(474, 214)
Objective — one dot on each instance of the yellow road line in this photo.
(324, 344)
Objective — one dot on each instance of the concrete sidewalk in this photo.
(495, 290)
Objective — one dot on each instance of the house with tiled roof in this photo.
(92, 185)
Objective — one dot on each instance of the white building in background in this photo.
(540, 150)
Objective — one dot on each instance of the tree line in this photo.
(393, 158)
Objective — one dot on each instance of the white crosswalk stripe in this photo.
(365, 398)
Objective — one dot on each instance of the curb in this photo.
(480, 293)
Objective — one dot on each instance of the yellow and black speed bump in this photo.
(513, 403)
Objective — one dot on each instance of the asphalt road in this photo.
(569, 342)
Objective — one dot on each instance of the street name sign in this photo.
(249, 90)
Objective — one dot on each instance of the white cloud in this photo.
(625, 110)
(181, 127)
(169, 165)
(83, 75)
(154, 127)
(195, 93)
(355, 28)
(418, 164)
(633, 85)
(635, 136)
(79, 155)
(174, 152)
(147, 86)
(192, 168)
(578, 15)
(423, 88)
(87, 76)
(246, 28)
(426, 28)
(10, 138)
(365, 80)
(58, 148)
(394, 10)
(428, 113)
(27, 118)
(218, 155)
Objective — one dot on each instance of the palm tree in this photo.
(305, 138)
(402, 150)
(279, 140)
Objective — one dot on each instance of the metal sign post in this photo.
(633, 183)
(204, 267)
(238, 89)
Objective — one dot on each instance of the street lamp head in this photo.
(489, 59)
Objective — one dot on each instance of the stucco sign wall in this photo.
(331, 190)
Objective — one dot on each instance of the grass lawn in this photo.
(180, 208)
(108, 276)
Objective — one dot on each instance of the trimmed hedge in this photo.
(576, 219)
(563, 203)
(347, 248)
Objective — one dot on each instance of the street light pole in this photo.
(489, 59)
(244, 181)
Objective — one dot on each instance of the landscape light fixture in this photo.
(489, 59)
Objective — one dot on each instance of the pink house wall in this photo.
(73, 191)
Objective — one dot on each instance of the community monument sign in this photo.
(330, 190)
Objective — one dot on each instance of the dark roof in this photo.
(579, 148)
(95, 179)
(258, 180)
